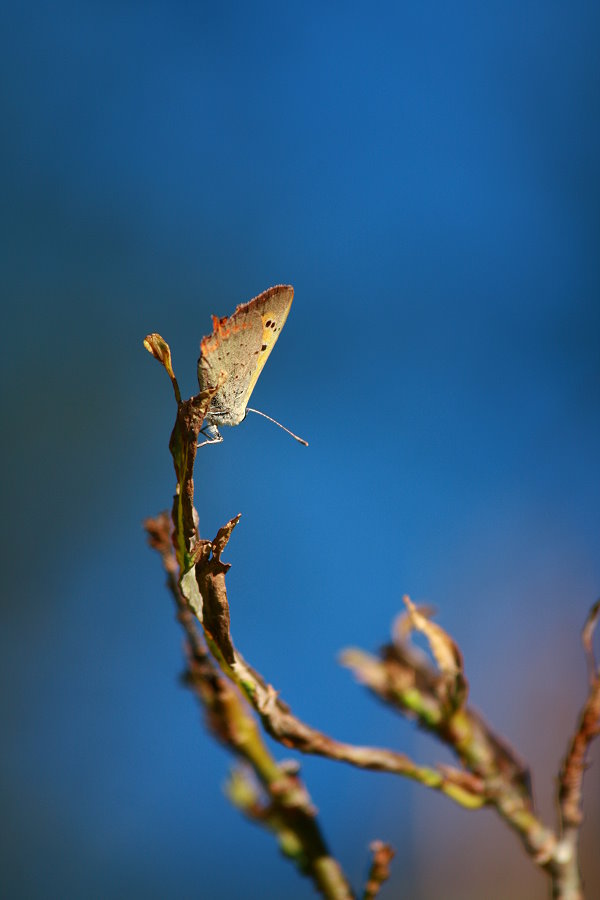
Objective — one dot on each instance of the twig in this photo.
(566, 876)
(380, 869)
(289, 811)
(276, 716)
(404, 678)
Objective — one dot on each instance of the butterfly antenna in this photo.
(275, 422)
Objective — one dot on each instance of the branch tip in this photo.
(379, 871)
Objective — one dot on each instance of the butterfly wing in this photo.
(239, 346)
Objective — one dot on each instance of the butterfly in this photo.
(234, 355)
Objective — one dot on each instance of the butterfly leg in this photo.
(212, 434)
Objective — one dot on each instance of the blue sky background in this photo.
(427, 177)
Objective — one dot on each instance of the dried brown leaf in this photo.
(444, 650)
(210, 578)
(160, 350)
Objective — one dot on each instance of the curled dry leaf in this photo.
(445, 652)
(222, 538)
(403, 627)
(209, 573)
(160, 350)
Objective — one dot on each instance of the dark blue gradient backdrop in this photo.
(427, 176)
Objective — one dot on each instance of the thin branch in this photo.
(379, 871)
(567, 880)
(404, 677)
(288, 812)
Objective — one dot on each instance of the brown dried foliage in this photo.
(433, 692)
